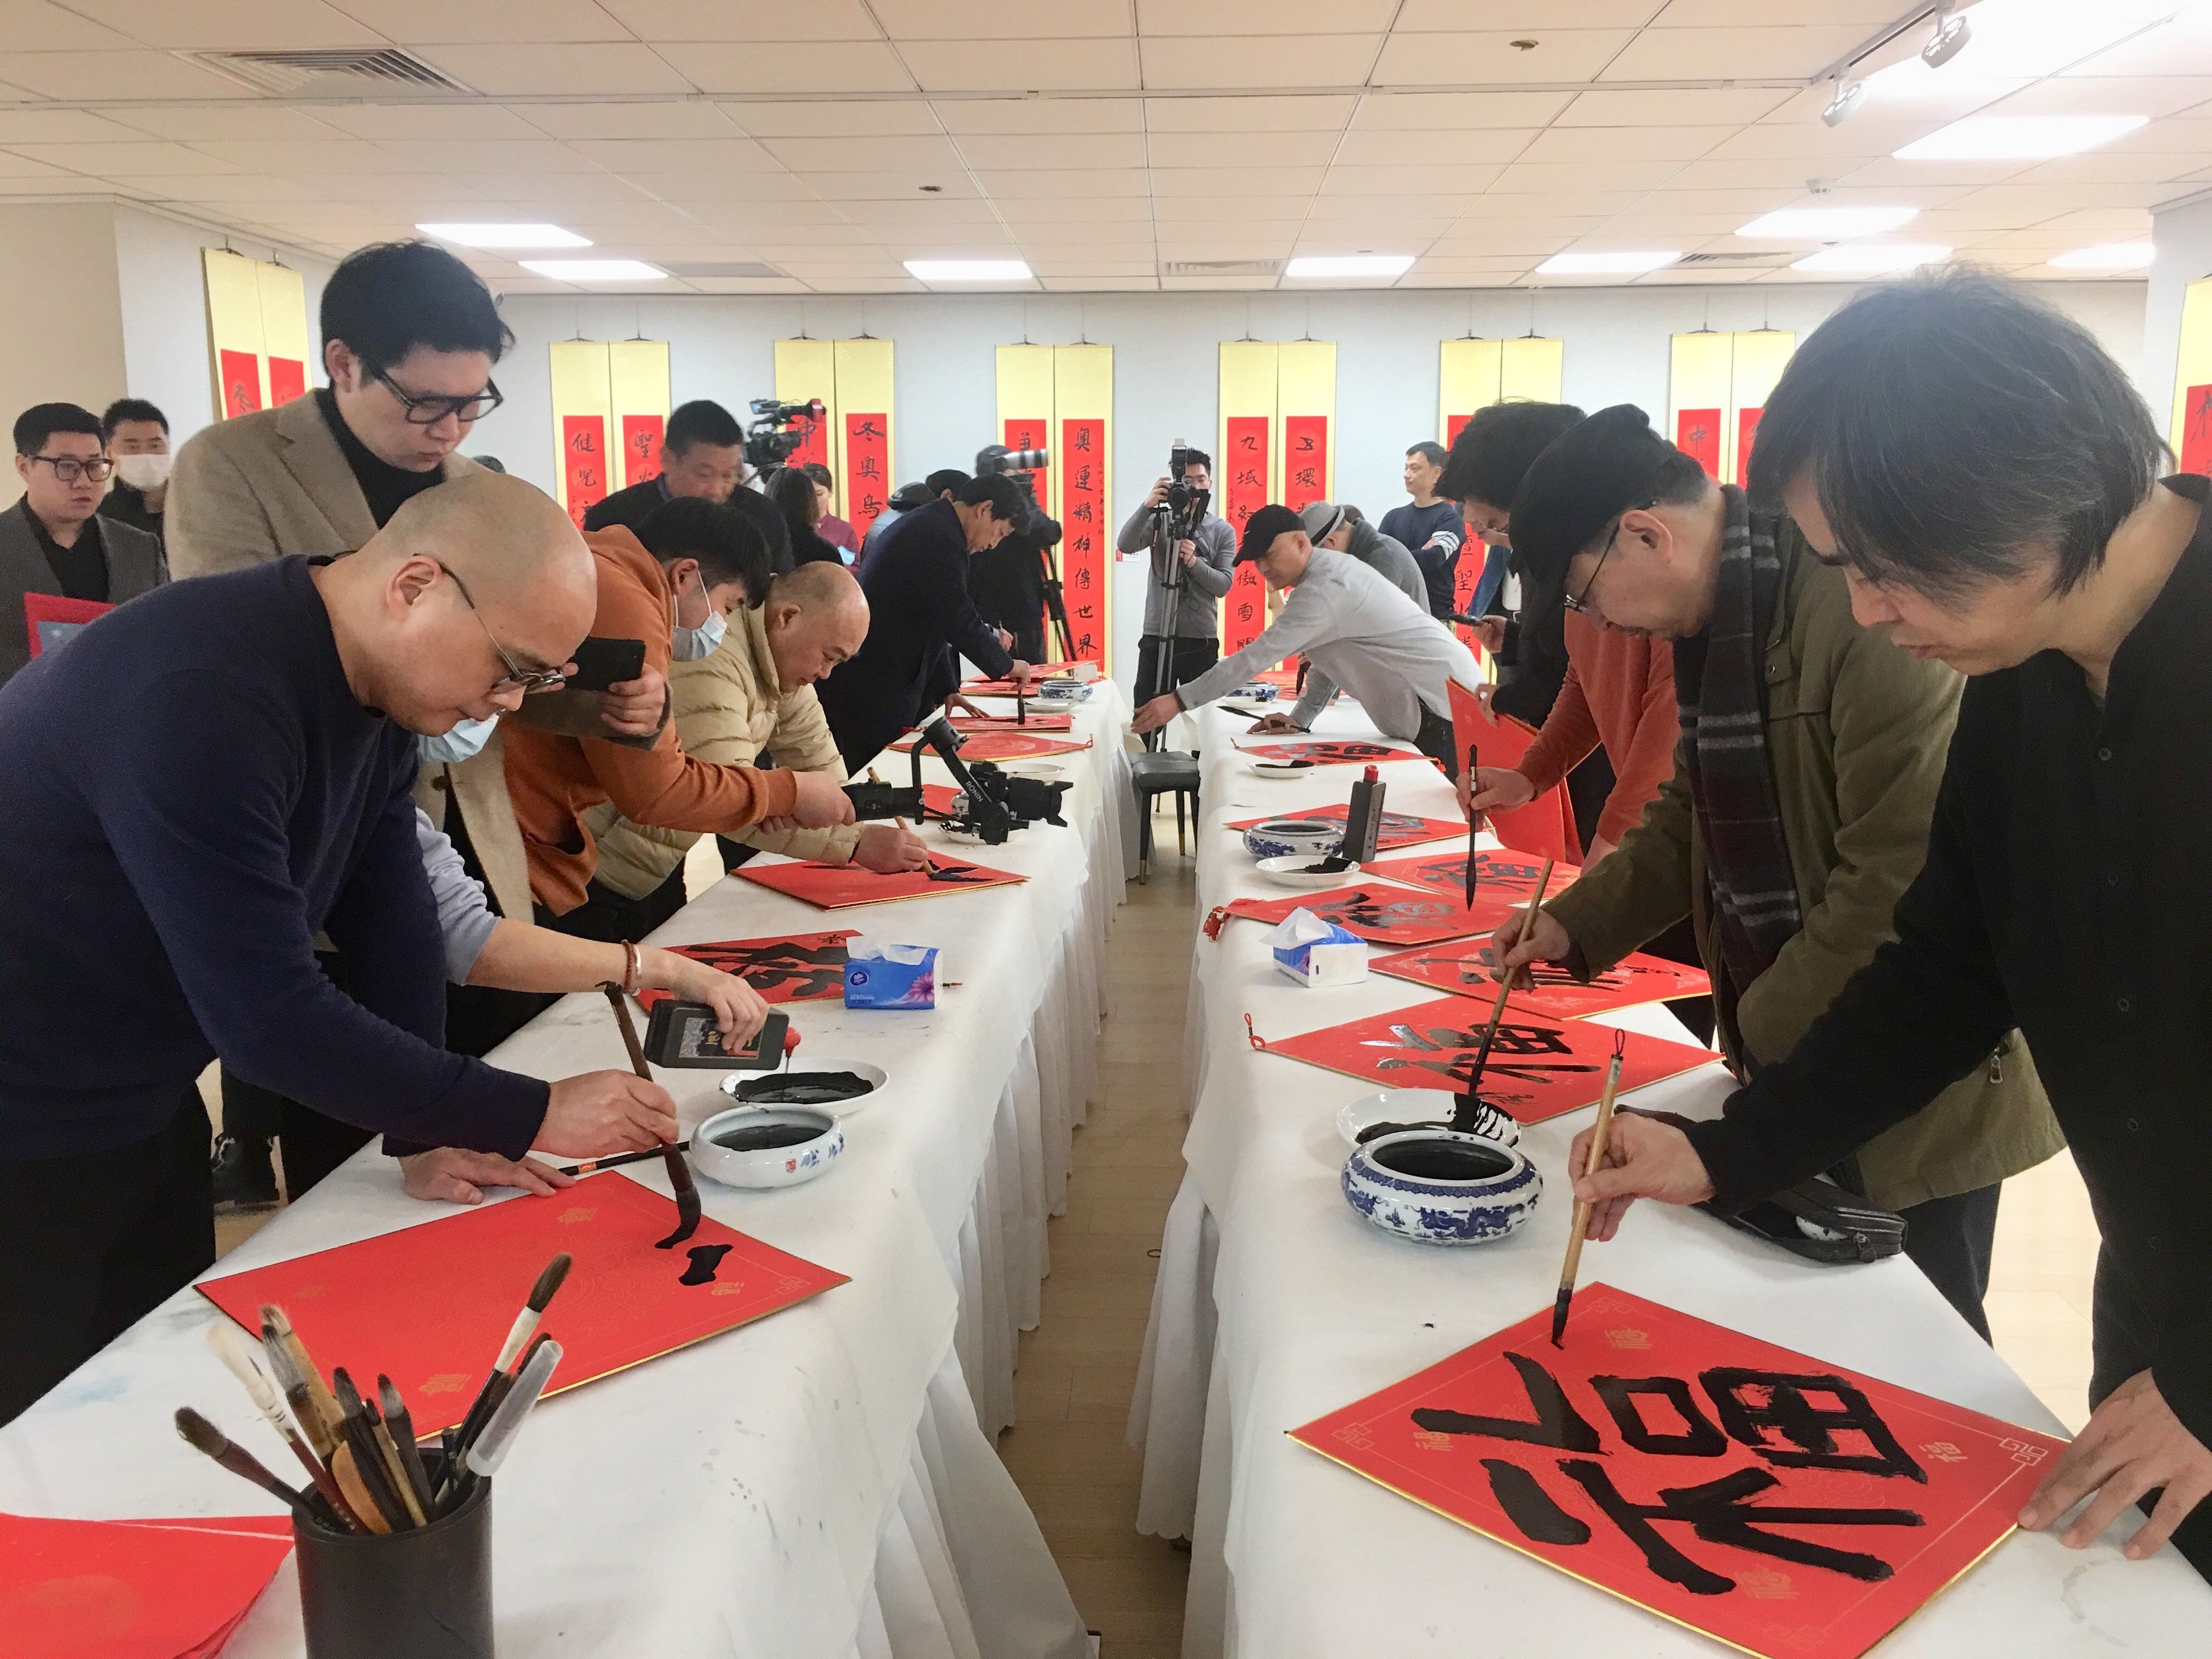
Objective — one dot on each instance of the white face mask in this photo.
(693, 644)
(464, 742)
(144, 471)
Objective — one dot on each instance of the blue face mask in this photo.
(466, 739)
(692, 644)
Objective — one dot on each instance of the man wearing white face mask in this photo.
(137, 435)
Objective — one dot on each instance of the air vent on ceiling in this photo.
(1223, 268)
(717, 268)
(1766, 257)
(339, 69)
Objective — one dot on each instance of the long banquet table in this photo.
(822, 1482)
(1275, 1303)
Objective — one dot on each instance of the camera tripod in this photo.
(1167, 571)
(1055, 604)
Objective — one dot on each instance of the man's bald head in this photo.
(815, 617)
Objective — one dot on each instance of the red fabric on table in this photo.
(1399, 829)
(841, 886)
(782, 967)
(1539, 1066)
(1382, 913)
(1004, 745)
(1568, 1454)
(132, 1589)
(430, 1304)
(1546, 826)
(1330, 751)
(1464, 966)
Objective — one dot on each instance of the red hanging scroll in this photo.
(2197, 431)
(1244, 492)
(287, 379)
(867, 463)
(1452, 426)
(241, 383)
(1747, 430)
(1083, 548)
(813, 444)
(1305, 459)
(641, 435)
(584, 461)
(1698, 435)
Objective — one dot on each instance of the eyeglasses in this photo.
(526, 679)
(428, 412)
(69, 469)
(1579, 603)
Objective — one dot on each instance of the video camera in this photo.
(778, 430)
(1020, 465)
(993, 803)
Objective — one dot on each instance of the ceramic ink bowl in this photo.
(1297, 870)
(1437, 1188)
(1258, 691)
(1279, 838)
(818, 1083)
(1063, 691)
(762, 1146)
(1420, 1109)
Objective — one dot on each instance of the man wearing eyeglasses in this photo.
(1805, 781)
(53, 540)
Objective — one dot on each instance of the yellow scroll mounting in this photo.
(257, 352)
(1472, 375)
(805, 370)
(610, 413)
(1246, 475)
(1061, 398)
(865, 469)
(637, 389)
(2191, 433)
(1717, 391)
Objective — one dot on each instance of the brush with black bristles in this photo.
(680, 1170)
(203, 1437)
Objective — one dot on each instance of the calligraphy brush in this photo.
(494, 1396)
(617, 1161)
(401, 1427)
(232, 1347)
(203, 1437)
(679, 1171)
(519, 1334)
(1601, 1134)
(360, 1449)
(389, 1452)
(1470, 826)
(325, 1406)
(481, 1461)
(1463, 1114)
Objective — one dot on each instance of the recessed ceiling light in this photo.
(489, 235)
(2019, 138)
(969, 271)
(2020, 40)
(1873, 259)
(1605, 265)
(596, 270)
(2109, 256)
(1350, 264)
(1828, 224)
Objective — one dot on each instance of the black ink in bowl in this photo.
(1443, 1159)
(802, 1088)
(763, 1137)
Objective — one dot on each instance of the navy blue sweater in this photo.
(188, 793)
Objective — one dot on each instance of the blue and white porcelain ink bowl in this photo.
(1280, 838)
(764, 1147)
(1435, 1187)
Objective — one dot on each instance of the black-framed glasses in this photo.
(428, 412)
(527, 679)
(1579, 603)
(69, 469)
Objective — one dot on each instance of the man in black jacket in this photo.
(919, 612)
(702, 453)
(1007, 582)
(1989, 479)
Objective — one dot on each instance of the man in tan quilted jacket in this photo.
(755, 694)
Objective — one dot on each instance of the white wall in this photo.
(1165, 364)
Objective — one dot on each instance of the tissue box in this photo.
(1318, 953)
(882, 975)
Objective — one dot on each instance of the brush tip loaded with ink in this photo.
(1468, 1113)
(1593, 1161)
(688, 1212)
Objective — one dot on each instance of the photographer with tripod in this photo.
(1010, 582)
(1193, 555)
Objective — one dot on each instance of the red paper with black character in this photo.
(1539, 1066)
(2196, 430)
(241, 382)
(428, 1305)
(1087, 588)
(868, 469)
(1546, 826)
(1399, 829)
(1331, 751)
(784, 968)
(641, 441)
(132, 1589)
(1380, 913)
(287, 379)
(584, 462)
(1790, 1508)
(1004, 745)
(1464, 967)
(1040, 719)
(1244, 492)
(841, 886)
(1698, 435)
(1503, 879)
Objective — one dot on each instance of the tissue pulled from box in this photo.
(1314, 952)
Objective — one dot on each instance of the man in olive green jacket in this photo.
(1615, 521)
(756, 693)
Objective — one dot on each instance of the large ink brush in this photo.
(679, 1169)
(1601, 1135)
(1464, 1115)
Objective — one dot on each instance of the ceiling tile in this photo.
(1106, 211)
(2098, 168)
(439, 123)
(1386, 148)
(1561, 55)
(789, 68)
(889, 186)
(1101, 284)
(1032, 65)
(1744, 204)
(1401, 112)
(1168, 209)
(522, 68)
(191, 124)
(39, 26)
(992, 152)
(675, 158)
(1072, 182)
(418, 22)
(1046, 116)
(1860, 139)
(882, 118)
(223, 189)
(1748, 52)
(1381, 209)
(291, 156)
(1567, 179)
(688, 119)
(1232, 18)
(1527, 16)
(1228, 150)
(764, 183)
(756, 217)
(574, 193)
(1092, 265)
(229, 25)
(101, 75)
(1107, 234)
(408, 189)
(28, 167)
(2113, 224)
(1236, 182)
(1656, 143)
(1548, 205)
(1888, 172)
(1535, 241)
(533, 156)
(743, 20)
(1867, 15)
(747, 284)
(2184, 45)
(1707, 107)
(1258, 61)
(1384, 181)
(1255, 113)
(927, 156)
(60, 126)
(922, 212)
(2151, 95)
(1744, 172)
(963, 20)
(151, 158)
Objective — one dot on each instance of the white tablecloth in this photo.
(1275, 1303)
(823, 1482)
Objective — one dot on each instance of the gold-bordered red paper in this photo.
(983, 688)
(1465, 967)
(429, 1305)
(1381, 913)
(1331, 751)
(1038, 720)
(1004, 745)
(1398, 829)
(841, 886)
(1789, 1508)
(783, 966)
(1539, 1066)
(1503, 880)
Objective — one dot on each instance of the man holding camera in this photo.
(1007, 582)
(702, 452)
(1181, 615)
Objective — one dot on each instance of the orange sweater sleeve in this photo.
(1570, 733)
(1647, 760)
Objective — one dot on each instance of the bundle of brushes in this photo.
(365, 1472)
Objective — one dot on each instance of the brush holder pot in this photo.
(425, 1592)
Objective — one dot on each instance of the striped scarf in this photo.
(1721, 699)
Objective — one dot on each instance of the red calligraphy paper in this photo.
(841, 886)
(1546, 826)
(988, 688)
(1399, 829)
(1305, 459)
(132, 1589)
(1453, 423)
(2196, 430)
(813, 445)
(1039, 720)
(1698, 435)
(1465, 966)
(867, 468)
(1503, 878)
(1539, 1066)
(287, 379)
(584, 462)
(241, 382)
(1331, 751)
(1008, 745)
(428, 1305)
(1084, 556)
(1379, 912)
(1244, 492)
(641, 444)
(1467, 576)
(1790, 1508)
(782, 968)
(52, 619)
(1746, 431)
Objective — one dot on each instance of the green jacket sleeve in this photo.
(1639, 892)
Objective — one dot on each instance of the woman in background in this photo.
(793, 493)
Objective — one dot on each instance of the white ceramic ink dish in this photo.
(1295, 870)
(874, 1076)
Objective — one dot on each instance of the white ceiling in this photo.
(1097, 139)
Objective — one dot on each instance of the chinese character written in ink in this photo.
(1249, 442)
(1083, 446)
(584, 442)
(1083, 576)
(1081, 544)
(867, 428)
(1083, 514)
(1083, 613)
(871, 467)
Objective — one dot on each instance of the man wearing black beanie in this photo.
(1805, 780)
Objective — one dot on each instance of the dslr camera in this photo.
(778, 430)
